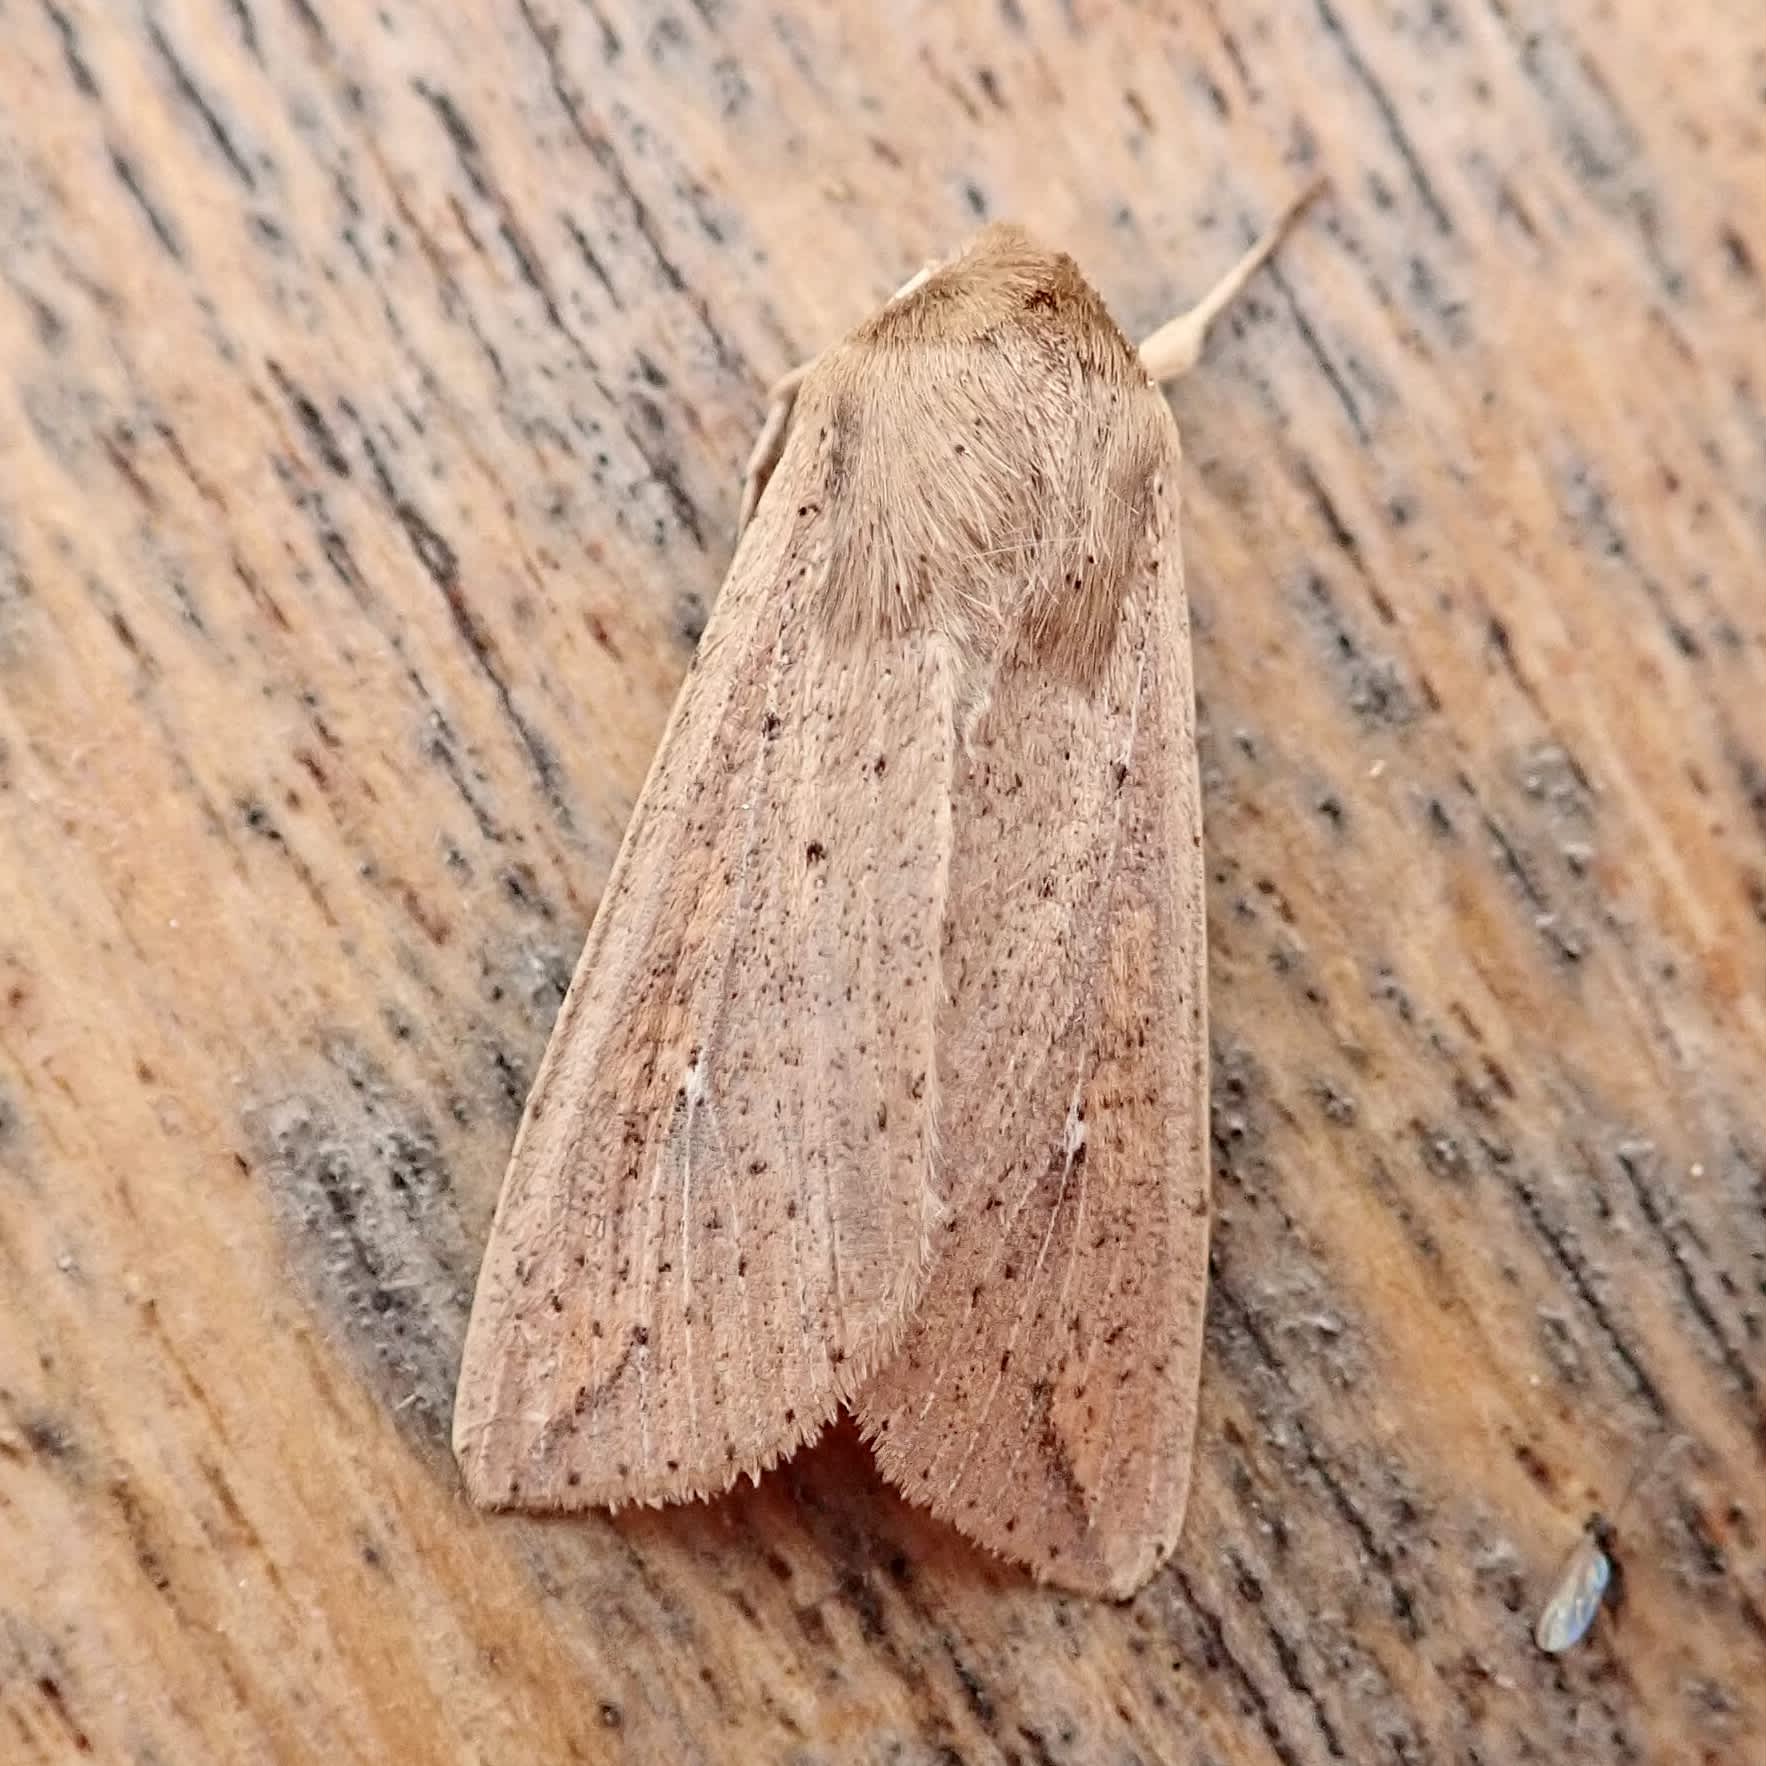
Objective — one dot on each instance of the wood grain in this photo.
(374, 386)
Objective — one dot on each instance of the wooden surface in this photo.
(374, 385)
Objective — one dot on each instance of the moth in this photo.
(881, 1082)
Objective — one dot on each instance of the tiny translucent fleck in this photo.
(1576, 1595)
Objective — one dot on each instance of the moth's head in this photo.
(1004, 280)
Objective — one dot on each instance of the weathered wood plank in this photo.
(374, 384)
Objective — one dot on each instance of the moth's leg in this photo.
(1172, 349)
(770, 443)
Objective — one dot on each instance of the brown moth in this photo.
(882, 1078)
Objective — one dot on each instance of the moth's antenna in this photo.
(1172, 350)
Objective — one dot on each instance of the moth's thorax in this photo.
(985, 453)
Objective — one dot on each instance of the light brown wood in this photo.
(375, 383)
